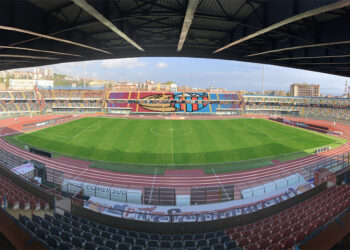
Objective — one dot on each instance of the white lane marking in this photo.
(217, 177)
(154, 180)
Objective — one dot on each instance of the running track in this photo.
(241, 179)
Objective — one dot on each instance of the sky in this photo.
(196, 72)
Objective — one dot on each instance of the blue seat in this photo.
(210, 235)
(177, 237)
(23, 219)
(102, 227)
(177, 244)
(107, 235)
(56, 231)
(67, 220)
(224, 238)
(48, 217)
(189, 243)
(35, 218)
(112, 230)
(78, 242)
(66, 227)
(137, 247)
(230, 244)
(100, 240)
(133, 234)
(58, 216)
(113, 244)
(45, 225)
(124, 246)
(88, 236)
(66, 236)
(123, 232)
(91, 246)
(220, 233)
(201, 243)
(86, 228)
(198, 236)
(76, 224)
(141, 242)
(165, 244)
(166, 237)
(77, 232)
(41, 234)
(154, 237)
(213, 241)
(130, 240)
(218, 246)
(52, 241)
(31, 227)
(187, 237)
(144, 236)
(66, 246)
(96, 231)
(153, 243)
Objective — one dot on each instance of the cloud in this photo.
(161, 65)
(128, 63)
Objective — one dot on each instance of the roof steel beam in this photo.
(51, 38)
(299, 47)
(32, 57)
(310, 57)
(93, 12)
(39, 50)
(306, 14)
(191, 9)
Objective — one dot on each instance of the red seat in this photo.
(242, 242)
(299, 236)
(264, 243)
(287, 243)
(256, 230)
(235, 235)
(254, 238)
(285, 233)
(251, 247)
(273, 239)
(264, 234)
(246, 234)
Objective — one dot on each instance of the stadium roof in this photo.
(310, 35)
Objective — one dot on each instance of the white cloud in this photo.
(161, 65)
(128, 63)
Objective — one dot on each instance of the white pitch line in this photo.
(217, 178)
(172, 146)
(84, 130)
(154, 180)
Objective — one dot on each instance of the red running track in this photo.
(241, 179)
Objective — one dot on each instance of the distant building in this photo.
(48, 72)
(303, 89)
(213, 89)
(2, 86)
(275, 92)
(27, 84)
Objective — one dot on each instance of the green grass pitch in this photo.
(174, 141)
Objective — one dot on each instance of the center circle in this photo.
(171, 132)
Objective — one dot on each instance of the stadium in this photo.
(99, 168)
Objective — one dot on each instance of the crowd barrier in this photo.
(67, 185)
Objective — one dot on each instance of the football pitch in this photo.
(174, 141)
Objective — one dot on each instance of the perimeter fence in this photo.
(67, 184)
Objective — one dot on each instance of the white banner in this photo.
(110, 193)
